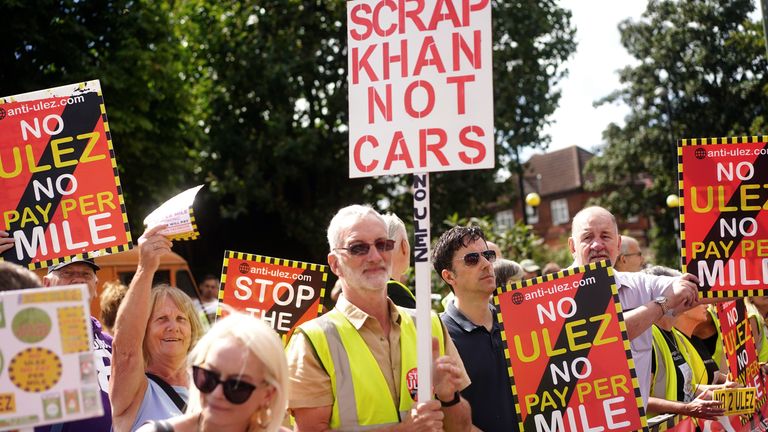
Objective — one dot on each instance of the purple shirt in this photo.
(102, 350)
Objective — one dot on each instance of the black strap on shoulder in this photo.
(177, 400)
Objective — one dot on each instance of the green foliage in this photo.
(516, 243)
(532, 39)
(130, 46)
(701, 73)
(251, 99)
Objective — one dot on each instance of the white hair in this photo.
(347, 217)
(259, 338)
(395, 227)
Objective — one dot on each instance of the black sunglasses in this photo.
(473, 258)
(235, 390)
(362, 248)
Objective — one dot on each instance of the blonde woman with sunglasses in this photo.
(239, 380)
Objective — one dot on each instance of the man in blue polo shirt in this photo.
(465, 262)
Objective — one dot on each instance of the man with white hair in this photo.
(397, 291)
(364, 349)
(644, 298)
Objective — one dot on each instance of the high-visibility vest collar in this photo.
(362, 399)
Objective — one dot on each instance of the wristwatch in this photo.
(456, 399)
(662, 301)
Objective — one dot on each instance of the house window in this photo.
(533, 215)
(504, 220)
(560, 211)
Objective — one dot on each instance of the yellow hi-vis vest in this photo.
(361, 397)
(690, 355)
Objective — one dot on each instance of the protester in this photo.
(109, 301)
(15, 277)
(685, 322)
(550, 267)
(245, 356)
(679, 376)
(462, 259)
(209, 296)
(154, 331)
(397, 291)
(530, 269)
(631, 257)
(644, 298)
(506, 271)
(371, 343)
(83, 271)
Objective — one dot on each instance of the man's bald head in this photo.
(594, 236)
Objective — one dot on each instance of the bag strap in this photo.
(177, 400)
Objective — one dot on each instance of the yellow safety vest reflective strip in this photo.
(361, 395)
(688, 352)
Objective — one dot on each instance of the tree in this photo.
(275, 112)
(701, 73)
(131, 48)
(532, 40)
(251, 99)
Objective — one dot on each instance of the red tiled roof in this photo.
(560, 170)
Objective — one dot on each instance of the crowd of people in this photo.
(352, 368)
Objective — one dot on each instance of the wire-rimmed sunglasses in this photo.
(235, 390)
(362, 248)
(472, 258)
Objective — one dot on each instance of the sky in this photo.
(592, 72)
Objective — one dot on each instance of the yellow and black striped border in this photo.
(619, 313)
(193, 235)
(228, 254)
(113, 161)
(112, 249)
(86, 255)
(753, 139)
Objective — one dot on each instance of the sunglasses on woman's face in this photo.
(235, 390)
(472, 258)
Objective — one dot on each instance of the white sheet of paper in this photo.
(175, 213)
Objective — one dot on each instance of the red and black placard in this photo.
(60, 193)
(724, 214)
(569, 355)
(282, 292)
(739, 347)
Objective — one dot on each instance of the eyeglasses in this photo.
(362, 248)
(473, 258)
(235, 390)
(632, 254)
(73, 274)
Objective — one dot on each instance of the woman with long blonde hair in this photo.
(240, 380)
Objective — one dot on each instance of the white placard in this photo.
(420, 86)
(47, 369)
